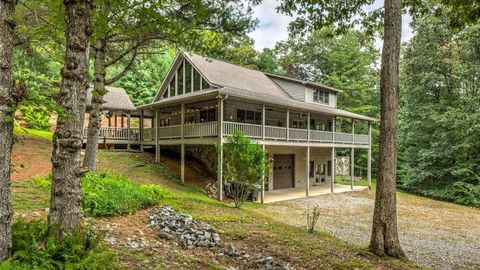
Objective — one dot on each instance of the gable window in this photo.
(172, 86)
(249, 117)
(205, 84)
(320, 96)
(188, 77)
(180, 79)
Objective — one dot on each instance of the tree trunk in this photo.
(93, 134)
(384, 239)
(8, 101)
(66, 194)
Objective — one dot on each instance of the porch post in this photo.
(115, 118)
(288, 124)
(129, 131)
(263, 124)
(333, 129)
(352, 157)
(220, 153)
(182, 163)
(332, 169)
(307, 190)
(262, 195)
(157, 147)
(142, 125)
(121, 118)
(369, 158)
(308, 126)
(182, 120)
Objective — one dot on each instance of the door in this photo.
(283, 171)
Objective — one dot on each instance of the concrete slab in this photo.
(295, 193)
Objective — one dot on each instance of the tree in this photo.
(244, 165)
(440, 97)
(122, 30)
(338, 14)
(66, 193)
(10, 96)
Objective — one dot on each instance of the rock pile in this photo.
(181, 228)
(211, 189)
(262, 262)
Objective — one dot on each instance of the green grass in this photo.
(345, 180)
(40, 133)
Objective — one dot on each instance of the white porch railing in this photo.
(170, 132)
(320, 136)
(275, 133)
(148, 134)
(298, 134)
(116, 133)
(254, 131)
(207, 129)
(210, 129)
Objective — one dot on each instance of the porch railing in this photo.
(207, 129)
(210, 129)
(116, 133)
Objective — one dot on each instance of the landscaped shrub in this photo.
(36, 117)
(34, 247)
(109, 194)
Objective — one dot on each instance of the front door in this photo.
(283, 171)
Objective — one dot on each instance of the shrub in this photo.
(36, 117)
(109, 194)
(34, 247)
(244, 165)
(312, 218)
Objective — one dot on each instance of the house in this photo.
(203, 100)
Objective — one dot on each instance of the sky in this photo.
(273, 27)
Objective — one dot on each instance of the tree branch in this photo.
(125, 70)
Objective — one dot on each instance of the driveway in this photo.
(435, 234)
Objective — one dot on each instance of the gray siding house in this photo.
(203, 100)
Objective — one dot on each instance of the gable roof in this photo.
(115, 99)
(229, 75)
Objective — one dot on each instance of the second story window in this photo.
(249, 117)
(320, 96)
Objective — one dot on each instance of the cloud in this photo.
(273, 26)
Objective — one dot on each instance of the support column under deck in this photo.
(332, 169)
(182, 163)
(157, 146)
(307, 190)
(129, 131)
(369, 156)
(352, 157)
(262, 195)
(220, 152)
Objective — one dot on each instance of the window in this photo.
(165, 94)
(298, 124)
(205, 84)
(320, 96)
(172, 86)
(180, 80)
(249, 117)
(312, 169)
(196, 80)
(208, 115)
(188, 77)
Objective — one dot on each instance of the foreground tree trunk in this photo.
(93, 134)
(66, 193)
(9, 97)
(384, 239)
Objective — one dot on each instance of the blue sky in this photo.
(273, 26)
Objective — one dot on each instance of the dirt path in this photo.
(434, 234)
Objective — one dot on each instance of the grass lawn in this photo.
(249, 228)
(33, 132)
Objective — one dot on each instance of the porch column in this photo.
(142, 125)
(308, 126)
(129, 131)
(182, 163)
(332, 169)
(220, 153)
(263, 124)
(115, 118)
(121, 118)
(352, 157)
(288, 124)
(157, 146)
(182, 120)
(333, 129)
(369, 156)
(262, 195)
(307, 190)
(109, 121)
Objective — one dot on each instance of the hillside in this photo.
(249, 229)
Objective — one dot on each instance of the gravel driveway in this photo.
(434, 234)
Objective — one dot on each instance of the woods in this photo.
(424, 92)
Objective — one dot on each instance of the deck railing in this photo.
(116, 133)
(207, 129)
(148, 134)
(210, 129)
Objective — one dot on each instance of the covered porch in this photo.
(285, 194)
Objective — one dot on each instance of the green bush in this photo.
(34, 247)
(36, 117)
(109, 194)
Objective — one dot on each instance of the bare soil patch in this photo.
(31, 157)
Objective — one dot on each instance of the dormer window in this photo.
(320, 96)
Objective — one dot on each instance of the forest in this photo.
(425, 93)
